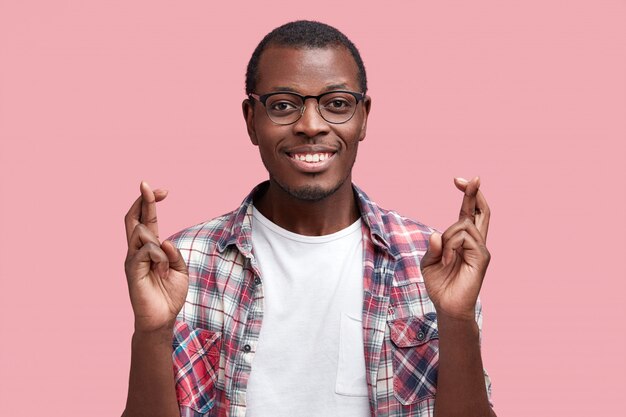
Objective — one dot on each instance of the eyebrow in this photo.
(331, 87)
(342, 86)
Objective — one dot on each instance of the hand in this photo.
(456, 262)
(156, 272)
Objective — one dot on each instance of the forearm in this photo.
(461, 387)
(151, 390)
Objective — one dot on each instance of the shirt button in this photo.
(257, 281)
(247, 348)
(421, 336)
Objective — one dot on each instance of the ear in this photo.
(367, 105)
(247, 107)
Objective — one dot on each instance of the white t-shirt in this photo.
(309, 360)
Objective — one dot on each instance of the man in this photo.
(308, 300)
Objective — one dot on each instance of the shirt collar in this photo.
(238, 229)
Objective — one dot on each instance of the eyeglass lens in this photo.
(334, 107)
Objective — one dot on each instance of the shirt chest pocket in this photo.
(415, 357)
(351, 362)
(196, 360)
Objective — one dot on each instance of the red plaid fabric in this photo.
(196, 359)
(218, 328)
(415, 357)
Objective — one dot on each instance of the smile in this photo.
(311, 157)
(311, 162)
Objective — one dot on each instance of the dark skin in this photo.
(157, 284)
(308, 72)
(311, 201)
(454, 268)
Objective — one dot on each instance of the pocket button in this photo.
(415, 357)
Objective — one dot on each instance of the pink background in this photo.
(97, 95)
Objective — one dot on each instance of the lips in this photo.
(311, 161)
(311, 157)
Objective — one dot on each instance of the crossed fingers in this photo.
(474, 205)
(462, 236)
(143, 211)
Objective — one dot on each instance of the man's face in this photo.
(332, 147)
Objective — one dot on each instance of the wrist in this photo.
(468, 315)
(461, 329)
(162, 336)
(456, 321)
(154, 327)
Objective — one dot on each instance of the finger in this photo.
(131, 220)
(433, 254)
(461, 183)
(483, 214)
(469, 199)
(141, 235)
(148, 208)
(133, 215)
(464, 224)
(176, 261)
(459, 243)
(149, 256)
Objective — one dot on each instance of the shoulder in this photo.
(405, 239)
(403, 230)
(203, 237)
(401, 235)
(404, 236)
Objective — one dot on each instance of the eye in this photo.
(338, 103)
(281, 106)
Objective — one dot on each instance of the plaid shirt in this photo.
(217, 331)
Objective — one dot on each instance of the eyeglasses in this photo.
(284, 108)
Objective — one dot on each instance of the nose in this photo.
(311, 123)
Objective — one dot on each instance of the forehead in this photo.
(306, 70)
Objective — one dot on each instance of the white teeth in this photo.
(316, 157)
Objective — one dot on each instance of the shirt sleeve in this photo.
(479, 321)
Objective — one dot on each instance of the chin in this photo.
(310, 193)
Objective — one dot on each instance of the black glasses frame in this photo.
(263, 99)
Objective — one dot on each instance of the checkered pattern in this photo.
(415, 357)
(223, 314)
(196, 358)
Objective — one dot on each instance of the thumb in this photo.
(434, 252)
(177, 263)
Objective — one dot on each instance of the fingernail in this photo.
(461, 180)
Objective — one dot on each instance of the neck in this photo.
(311, 218)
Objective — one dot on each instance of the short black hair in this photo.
(303, 34)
